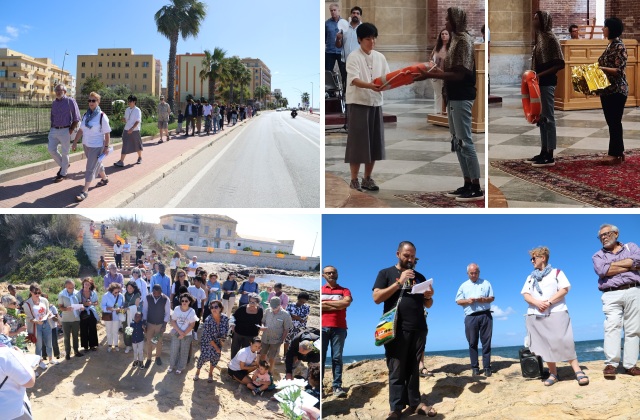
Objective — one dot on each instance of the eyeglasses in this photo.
(180, 275)
(330, 272)
(606, 234)
(215, 307)
(185, 301)
(253, 302)
(92, 100)
(536, 256)
(37, 293)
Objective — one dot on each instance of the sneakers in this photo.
(135, 363)
(533, 159)
(257, 392)
(355, 185)
(53, 362)
(139, 161)
(147, 364)
(471, 195)
(487, 372)
(127, 349)
(369, 184)
(158, 361)
(475, 371)
(42, 365)
(338, 392)
(59, 178)
(109, 349)
(458, 192)
(544, 161)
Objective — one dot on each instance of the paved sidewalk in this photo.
(158, 161)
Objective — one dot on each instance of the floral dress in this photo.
(297, 325)
(615, 56)
(213, 331)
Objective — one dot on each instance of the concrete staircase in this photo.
(95, 247)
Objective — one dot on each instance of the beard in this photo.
(355, 19)
(407, 265)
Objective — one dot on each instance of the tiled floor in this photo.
(579, 132)
(419, 157)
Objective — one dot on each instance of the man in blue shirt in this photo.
(163, 280)
(333, 54)
(475, 296)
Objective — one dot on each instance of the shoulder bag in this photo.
(32, 337)
(386, 327)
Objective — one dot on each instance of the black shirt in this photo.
(411, 309)
(246, 323)
(462, 90)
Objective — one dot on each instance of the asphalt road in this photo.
(273, 161)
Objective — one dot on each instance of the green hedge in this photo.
(49, 262)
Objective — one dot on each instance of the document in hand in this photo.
(420, 288)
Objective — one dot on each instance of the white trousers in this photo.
(227, 305)
(112, 331)
(138, 350)
(622, 312)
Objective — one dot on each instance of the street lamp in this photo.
(311, 106)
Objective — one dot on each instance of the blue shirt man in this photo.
(475, 296)
(332, 53)
(163, 280)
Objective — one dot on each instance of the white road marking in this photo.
(305, 137)
(173, 203)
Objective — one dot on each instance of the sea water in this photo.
(586, 350)
(305, 283)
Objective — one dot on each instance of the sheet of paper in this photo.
(420, 288)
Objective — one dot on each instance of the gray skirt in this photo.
(365, 140)
(93, 166)
(552, 337)
(131, 143)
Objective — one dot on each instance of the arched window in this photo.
(227, 246)
(205, 243)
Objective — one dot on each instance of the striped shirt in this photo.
(334, 319)
(64, 112)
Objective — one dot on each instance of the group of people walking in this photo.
(214, 116)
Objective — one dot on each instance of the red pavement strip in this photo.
(38, 190)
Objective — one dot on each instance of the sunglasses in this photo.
(215, 307)
(92, 100)
(37, 293)
(185, 301)
(180, 275)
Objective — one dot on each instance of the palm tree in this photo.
(244, 79)
(278, 96)
(180, 17)
(230, 72)
(260, 92)
(211, 69)
(305, 98)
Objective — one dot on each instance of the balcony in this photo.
(40, 82)
(41, 72)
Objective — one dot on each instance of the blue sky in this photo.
(283, 34)
(277, 225)
(360, 245)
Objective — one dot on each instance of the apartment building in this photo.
(260, 74)
(24, 77)
(120, 66)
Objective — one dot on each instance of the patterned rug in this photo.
(584, 178)
(439, 200)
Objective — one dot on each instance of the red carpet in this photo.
(438, 200)
(584, 178)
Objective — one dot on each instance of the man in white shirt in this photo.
(348, 40)
(191, 269)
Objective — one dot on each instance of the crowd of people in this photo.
(136, 312)
(549, 328)
(214, 116)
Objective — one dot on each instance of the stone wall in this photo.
(510, 48)
(629, 12)
(253, 259)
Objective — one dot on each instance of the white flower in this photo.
(128, 330)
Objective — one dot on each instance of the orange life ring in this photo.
(400, 77)
(530, 96)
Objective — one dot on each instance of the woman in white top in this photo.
(36, 309)
(183, 318)
(131, 140)
(365, 140)
(437, 57)
(174, 264)
(548, 324)
(94, 130)
(117, 252)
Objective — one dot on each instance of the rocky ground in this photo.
(505, 395)
(104, 385)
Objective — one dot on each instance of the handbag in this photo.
(32, 337)
(107, 316)
(386, 327)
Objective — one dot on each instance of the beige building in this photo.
(188, 82)
(215, 231)
(260, 74)
(120, 66)
(24, 77)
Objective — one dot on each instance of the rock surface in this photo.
(505, 395)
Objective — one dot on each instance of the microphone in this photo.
(410, 265)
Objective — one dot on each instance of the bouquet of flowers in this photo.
(128, 330)
(21, 341)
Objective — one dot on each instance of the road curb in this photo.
(132, 192)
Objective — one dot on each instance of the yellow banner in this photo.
(233, 251)
(280, 255)
(184, 247)
(209, 250)
(256, 253)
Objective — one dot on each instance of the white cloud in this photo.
(500, 314)
(12, 31)
(4, 39)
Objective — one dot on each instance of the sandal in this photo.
(103, 182)
(82, 196)
(195, 378)
(552, 379)
(424, 410)
(580, 377)
(425, 373)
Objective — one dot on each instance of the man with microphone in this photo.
(404, 352)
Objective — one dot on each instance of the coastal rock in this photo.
(505, 395)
